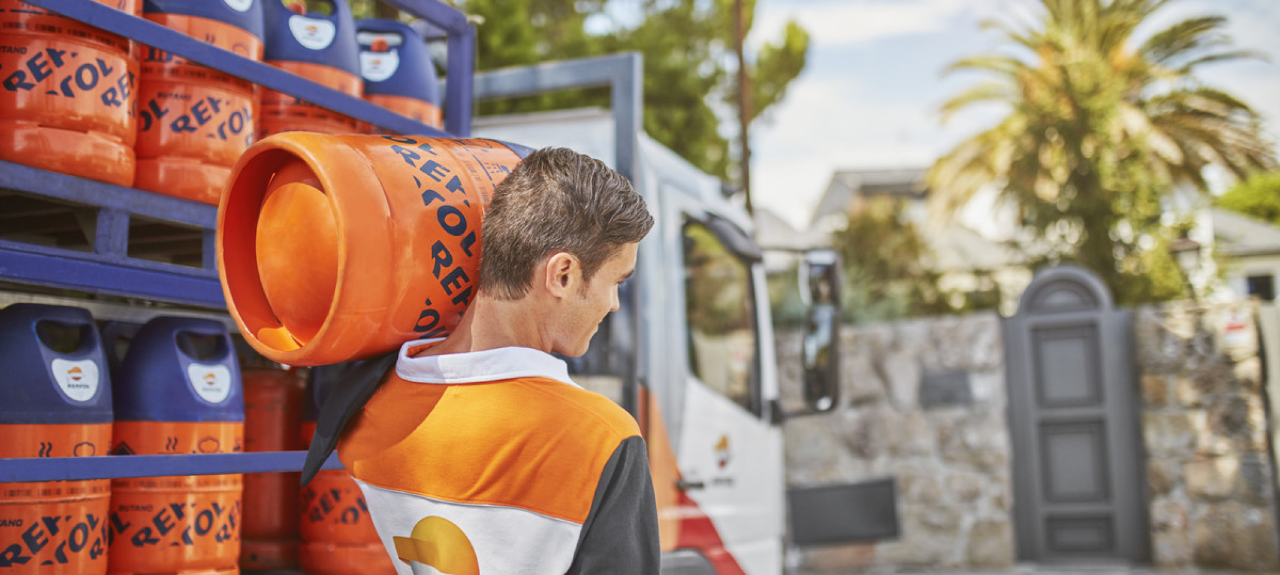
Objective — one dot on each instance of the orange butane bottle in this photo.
(272, 417)
(56, 402)
(319, 47)
(67, 93)
(177, 391)
(193, 121)
(390, 250)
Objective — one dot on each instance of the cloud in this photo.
(834, 23)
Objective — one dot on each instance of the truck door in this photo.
(729, 456)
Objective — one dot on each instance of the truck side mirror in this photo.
(821, 276)
(821, 352)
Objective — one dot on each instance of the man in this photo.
(478, 454)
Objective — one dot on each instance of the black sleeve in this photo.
(620, 534)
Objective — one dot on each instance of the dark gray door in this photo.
(1077, 464)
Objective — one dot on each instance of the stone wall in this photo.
(951, 463)
(1204, 425)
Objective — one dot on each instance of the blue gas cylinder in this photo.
(319, 47)
(55, 401)
(178, 391)
(397, 70)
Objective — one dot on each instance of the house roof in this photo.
(1241, 235)
(774, 232)
(907, 183)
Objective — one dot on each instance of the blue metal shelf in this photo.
(119, 466)
(108, 268)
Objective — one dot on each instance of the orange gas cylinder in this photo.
(68, 102)
(55, 402)
(272, 416)
(177, 391)
(318, 47)
(333, 248)
(194, 122)
(338, 537)
(397, 70)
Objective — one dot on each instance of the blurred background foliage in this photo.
(689, 66)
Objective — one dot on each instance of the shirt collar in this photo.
(478, 366)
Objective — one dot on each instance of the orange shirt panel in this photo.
(531, 443)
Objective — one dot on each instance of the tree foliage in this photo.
(1100, 129)
(1258, 196)
(887, 266)
(687, 69)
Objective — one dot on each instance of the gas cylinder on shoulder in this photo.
(397, 71)
(178, 391)
(319, 47)
(194, 121)
(68, 101)
(55, 401)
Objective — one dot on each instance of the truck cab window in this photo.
(720, 310)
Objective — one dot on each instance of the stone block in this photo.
(859, 382)
(1248, 373)
(919, 490)
(1169, 434)
(1253, 483)
(1155, 390)
(945, 518)
(1211, 479)
(1234, 536)
(1162, 475)
(990, 545)
(838, 558)
(1171, 549)
(1168, 515)
(911, 435)
(1185, 391)
(811, 446)
(965, 487)
(863, 431)
(902, 372)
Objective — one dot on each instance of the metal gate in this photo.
(1077, 466)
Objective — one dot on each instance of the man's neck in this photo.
(491, 323)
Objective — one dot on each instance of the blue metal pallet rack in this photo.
(107, 267)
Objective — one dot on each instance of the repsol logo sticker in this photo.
(52, 540)
(72, 75)
(216, 118)
(175, 525)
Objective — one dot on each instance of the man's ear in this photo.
(561, 274)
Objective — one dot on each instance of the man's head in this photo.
(556, 223)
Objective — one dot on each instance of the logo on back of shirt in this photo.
(437, 546)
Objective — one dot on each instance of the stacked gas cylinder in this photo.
(171, 386)
(84, 102)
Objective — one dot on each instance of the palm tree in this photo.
(1100, 131)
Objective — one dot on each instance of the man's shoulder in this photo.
(587, 404)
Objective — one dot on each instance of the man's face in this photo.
(583, 313)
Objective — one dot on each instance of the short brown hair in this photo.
(556, 200)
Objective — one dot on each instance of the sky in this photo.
(870, 92)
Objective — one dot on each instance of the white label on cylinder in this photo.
(211, 382)
(312, 33)
(239, 5)
(78, 379)
(378, 66)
